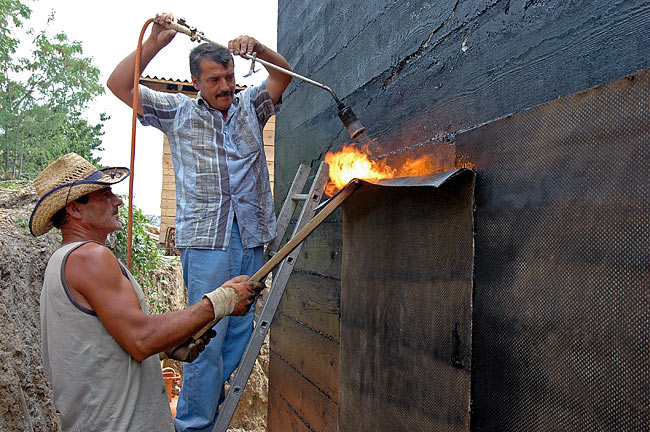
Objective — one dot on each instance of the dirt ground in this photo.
(25, 392)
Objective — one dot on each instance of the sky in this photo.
(108, 32)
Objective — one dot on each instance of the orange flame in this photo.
(352, 163)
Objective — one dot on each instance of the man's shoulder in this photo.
(254, 89)
(150, 96)
(89, 266)
(257, 97)
(92, 254)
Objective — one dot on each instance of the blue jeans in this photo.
(203, 380)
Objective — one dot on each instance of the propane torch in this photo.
(350, 121)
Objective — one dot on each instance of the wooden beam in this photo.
(332, 205)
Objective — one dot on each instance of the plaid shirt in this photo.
(220, 166)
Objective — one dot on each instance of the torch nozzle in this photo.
(351, 122)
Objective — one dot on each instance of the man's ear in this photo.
(73, 209)
(195, 82)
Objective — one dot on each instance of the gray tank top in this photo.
(97, 385)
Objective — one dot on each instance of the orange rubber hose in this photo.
(136, 94)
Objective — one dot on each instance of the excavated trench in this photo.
(25, 391)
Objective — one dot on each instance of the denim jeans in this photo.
(203, 380)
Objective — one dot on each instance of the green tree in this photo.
(43, 96)
(145, 256)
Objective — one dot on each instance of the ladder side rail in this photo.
(288, 207)
(280, 280)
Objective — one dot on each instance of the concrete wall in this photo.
(416, 74)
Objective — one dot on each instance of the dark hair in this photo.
(59, 218)
(210, 51)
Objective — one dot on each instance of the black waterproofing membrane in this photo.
(551, 331)
(561, 321)
(406, 304)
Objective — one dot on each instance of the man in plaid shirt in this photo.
(224, 205)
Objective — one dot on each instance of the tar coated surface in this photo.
(406, 287)
(561, 319)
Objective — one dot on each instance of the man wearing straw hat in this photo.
(98, 341)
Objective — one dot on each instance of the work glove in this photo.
(189, 350)
(234, 297)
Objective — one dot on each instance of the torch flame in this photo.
(352, 163)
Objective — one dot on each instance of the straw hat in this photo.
(64, 180)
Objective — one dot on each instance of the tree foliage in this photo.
(43, 96)
(145, 256)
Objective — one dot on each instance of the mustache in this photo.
(224, 93)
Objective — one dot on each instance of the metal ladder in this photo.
(280, 279)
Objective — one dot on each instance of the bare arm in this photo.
(277, 81)
(93, 271)
(121, 80)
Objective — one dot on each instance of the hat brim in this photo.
(40, 221)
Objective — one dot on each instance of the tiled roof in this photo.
(176, 81)
(155, 78)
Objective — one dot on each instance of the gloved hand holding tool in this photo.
(189, 350)
(234, 297)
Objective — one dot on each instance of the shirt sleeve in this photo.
(160, 109)
(263, 104)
